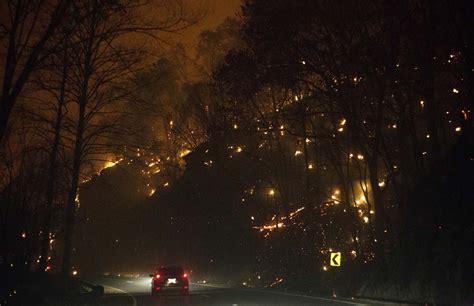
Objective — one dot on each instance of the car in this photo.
(170, 279)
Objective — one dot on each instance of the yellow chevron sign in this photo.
(335, 259)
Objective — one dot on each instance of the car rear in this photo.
(170, 279)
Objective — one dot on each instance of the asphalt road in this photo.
(131, 291)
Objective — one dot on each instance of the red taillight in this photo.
(157, 276)
(185, 275)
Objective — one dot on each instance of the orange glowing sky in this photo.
(216, 12)
(219, 10)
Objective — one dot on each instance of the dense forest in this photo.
(295, 129)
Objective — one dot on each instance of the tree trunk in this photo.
(379, 209)
(427, 79)
(87, 71)
(5, 110)
(52, 168)
(73, 191)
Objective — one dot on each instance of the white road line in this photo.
(206, 296)
(120, 290)
(306, 296)
(207, 285)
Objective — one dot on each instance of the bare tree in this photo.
(102, 61)
(29, 27)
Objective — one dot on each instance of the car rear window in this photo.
(171, 270)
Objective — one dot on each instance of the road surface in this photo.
(135, 291)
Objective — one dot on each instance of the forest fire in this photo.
(279, 225)
(110, 164)
(253, 143)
